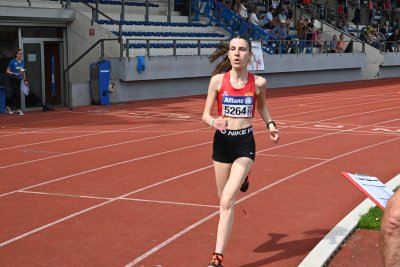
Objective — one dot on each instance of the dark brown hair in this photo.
(222, 50)
(16, 52)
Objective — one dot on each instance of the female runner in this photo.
(238, 93)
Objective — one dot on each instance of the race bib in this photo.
(237, 106)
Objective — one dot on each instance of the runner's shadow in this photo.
(287, 249)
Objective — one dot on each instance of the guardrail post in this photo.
(102, 50)
(146, 16)
(198, 47)
(93, 17)
(190, 12)
(122, 10)
(127, 49)
(121, 49)
(169, 12)
(96, 13)
(148, 47)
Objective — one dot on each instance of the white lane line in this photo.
(387, 130)
(61, 194)
(292, 157)
(341, 107)
(169, 240)
(340, 94)
(328, 126)
(97, 206)
(124, 198)
(96, 148)
(35, 130)
(170, 202)
(74, 137)
(113, 165)
(186, 230)
(42, 152)
(321, 100)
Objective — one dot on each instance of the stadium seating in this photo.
(158, 29)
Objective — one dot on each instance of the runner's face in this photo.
(239, 53)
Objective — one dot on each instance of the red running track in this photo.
(132, 184)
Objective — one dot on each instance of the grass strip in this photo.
(371, 220)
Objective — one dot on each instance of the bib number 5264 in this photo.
(235, 111)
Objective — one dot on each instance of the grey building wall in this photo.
(182, 76)
(390, 67)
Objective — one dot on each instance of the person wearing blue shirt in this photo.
(16, 74)
(281, 31)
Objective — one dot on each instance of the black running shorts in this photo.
(230, 145)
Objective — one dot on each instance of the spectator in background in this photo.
(307, 4)
(310, 29)
(386, 9)
(366, 35)
(228, 3)
(253, 16)
(301, 29)
(345, 26)
(281, 32)
(357, 16)
(275, 4)
(332, 44)
(372, 11)
(383, 27)
(242, 10)
(380, 39)
(266, 22)
(373, 37)
(340, 45)
(16, 75)
(282, 15)
(275, 21)
(340, 11)
(317, 40)
(393, 42)
(286, 12)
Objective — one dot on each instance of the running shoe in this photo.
(217, 260)
(20, 113)
(8, 110)
(245, 184)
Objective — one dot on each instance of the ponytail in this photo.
(225, 64)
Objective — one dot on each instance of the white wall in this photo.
(181, 76)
